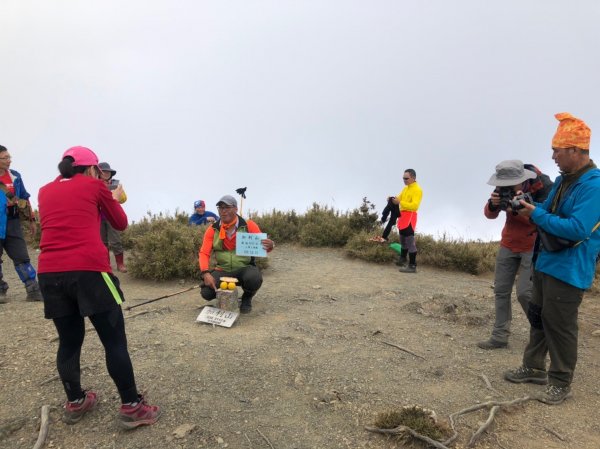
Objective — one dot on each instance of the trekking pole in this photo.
(162, 297)
(242, 193)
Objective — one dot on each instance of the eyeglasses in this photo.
(406, 179)
(222, 208)
(6, 158)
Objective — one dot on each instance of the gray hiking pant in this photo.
(111, 237)
(14, 243)
(557, 304)
(508, 265)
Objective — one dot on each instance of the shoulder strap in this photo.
(587, 238)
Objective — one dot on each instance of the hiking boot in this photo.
(120, 258)
(75, 410)
(492, 344)
(555, 395)
(246, 306)
(402, 261)
(410, 268)
(138, 413)
(33, 291)
(523, 374)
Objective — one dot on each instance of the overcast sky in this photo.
(301, 101)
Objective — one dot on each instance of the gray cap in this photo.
(105, 166)
(228, 200)
(510, 173)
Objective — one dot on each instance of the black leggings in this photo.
(110, 327)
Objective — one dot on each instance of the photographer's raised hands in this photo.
(527, 208)
(495, 199)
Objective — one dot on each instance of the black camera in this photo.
(506, 195)
(516, 205)
(508, 198)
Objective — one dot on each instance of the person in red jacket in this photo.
(76, 281)
(513, 260)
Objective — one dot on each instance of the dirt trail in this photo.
(306, 369)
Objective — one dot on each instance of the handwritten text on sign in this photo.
(247, 244)
(212, 315)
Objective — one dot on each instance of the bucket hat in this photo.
(105, 166)
(510, 173)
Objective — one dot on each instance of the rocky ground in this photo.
(308, 368)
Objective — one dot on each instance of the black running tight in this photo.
(110, 327)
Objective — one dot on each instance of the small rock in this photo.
(220, 440)
(316, 287)
(596, 333)
(183, 430)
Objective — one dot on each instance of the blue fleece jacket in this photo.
(574, 219)
(20, 192)
(197, 219)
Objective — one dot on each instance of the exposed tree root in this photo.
(43, 427)
(402, 349)
(493, 406)
(474, 408)
(403, 430)
(265, 438)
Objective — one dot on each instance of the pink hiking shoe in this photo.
(75, 410)
(138, 414)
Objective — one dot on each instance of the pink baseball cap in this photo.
(82, 156)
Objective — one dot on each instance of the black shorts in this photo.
(82, 293)
(407, 232)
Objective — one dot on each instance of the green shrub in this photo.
(33, 241)
(324, 227)
(360, 247)
(148, 223)
(364, 218)
(473, 257)
(282, 227)
(166, 249)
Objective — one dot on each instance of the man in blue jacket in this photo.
(201, 215)
(568, 245)
(11, 235)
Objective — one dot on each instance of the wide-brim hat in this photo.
(105, 166)
(510, 173)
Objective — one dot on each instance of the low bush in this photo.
(473, 257)
(360, 247)
(33, 241)
(149, 223)
(323, 226)
(282, 227)
(164, 248)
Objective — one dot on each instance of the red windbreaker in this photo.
(70, 219)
